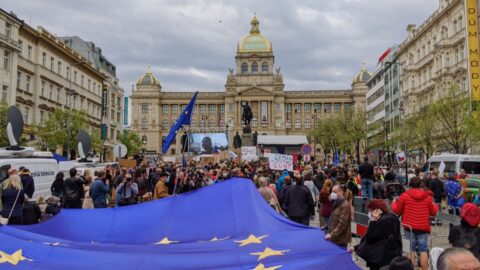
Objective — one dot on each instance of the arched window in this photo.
(244, 68)
(264, 68)
(254, 68)
(144, 123)
(164, 124)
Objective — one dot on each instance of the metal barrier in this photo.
(441, 232)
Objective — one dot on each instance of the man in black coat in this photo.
(73, 190)
(299, 202)
(437, 187)
(27, 182)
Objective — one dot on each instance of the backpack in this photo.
(468, 239)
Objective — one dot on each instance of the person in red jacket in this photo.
(416, 206)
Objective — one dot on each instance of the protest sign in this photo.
(128, 163)
(280, 162)
(249, 153)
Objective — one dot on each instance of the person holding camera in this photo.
(99, 190)
(127, 192)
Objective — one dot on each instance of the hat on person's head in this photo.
(164, 174)
(471, 214)
(21, 168)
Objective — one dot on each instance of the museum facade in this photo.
(255, 80)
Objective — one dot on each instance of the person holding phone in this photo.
(383, 241)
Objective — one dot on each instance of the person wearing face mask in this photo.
(161, 188)
(383, 241)
(339, 228)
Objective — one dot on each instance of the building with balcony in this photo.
(433, 57)
(256, 80)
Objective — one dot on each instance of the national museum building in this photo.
(255, 80)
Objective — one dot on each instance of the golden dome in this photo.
(255, 42)
(362, 76)
(148, 79)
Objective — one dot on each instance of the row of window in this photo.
(317, 107)
(379, 93)
(57, 66)
(165, 124)
(424, 49)
(254, 68)
(175, 108)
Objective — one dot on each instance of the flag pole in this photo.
(183, 157)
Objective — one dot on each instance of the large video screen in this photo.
(207, 143)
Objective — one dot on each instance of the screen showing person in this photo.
(207, 143)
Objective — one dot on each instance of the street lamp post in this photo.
(144, 142)
(315, 119)
(402, 112)
(226, 131)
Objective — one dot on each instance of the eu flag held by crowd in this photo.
(183, 120)
(223, 226)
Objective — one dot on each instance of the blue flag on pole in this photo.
(336, 159)
(224, 226)
(183, 120)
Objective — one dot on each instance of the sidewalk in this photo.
(438, 238)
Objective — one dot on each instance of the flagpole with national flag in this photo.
(183, 120)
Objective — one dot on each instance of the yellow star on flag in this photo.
(269, 252)
(252, 239)
(165, 241)
(12, 259)
(262, 267)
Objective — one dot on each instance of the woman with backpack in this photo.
(383, 241)
(467, 234)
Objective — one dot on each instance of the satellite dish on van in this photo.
(84, 143)
(14, 126)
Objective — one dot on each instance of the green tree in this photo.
(422, 132)
(54, 132)
(132, 141)
(3, 123)
(452, 112)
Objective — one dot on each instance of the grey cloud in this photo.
(318, 44)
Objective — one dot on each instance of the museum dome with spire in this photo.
(255, 41)
(148, 79)
(362, 76)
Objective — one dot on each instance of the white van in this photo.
(455, 162)
(43, 171)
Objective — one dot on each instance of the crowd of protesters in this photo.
(309, 189)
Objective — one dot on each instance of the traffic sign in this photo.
(119, 150)
(306, 149)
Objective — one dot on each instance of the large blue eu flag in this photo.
(223, 226)
(183, 120)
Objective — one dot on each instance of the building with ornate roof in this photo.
(256, 80)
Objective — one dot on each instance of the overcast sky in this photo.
(319, 44)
